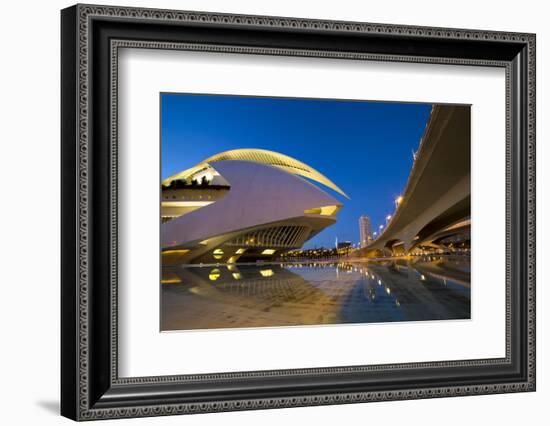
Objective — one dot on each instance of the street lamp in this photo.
(388, 217)
(398, 200)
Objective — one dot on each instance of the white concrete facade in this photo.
(261, 198)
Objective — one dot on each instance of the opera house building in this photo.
(243, 205)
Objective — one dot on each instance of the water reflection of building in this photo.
(243, 205)
(424, 289)
(429, 288)
(243, 296)
(365, 230)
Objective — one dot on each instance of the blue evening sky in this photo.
(364, 147)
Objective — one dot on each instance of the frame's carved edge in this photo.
(113, 214)
(85, 12)
(303, 401)
(83, 206)
(299, 23)
(531, 210)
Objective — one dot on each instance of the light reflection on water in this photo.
(233, 296)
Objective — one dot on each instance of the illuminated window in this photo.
(214, 274)
(266, 272)
(240, 251)
(218, 254)
(268, 251)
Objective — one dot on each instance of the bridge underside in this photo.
(455, 236)
(436, 202)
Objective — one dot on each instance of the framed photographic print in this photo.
(264, 212)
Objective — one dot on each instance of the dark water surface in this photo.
(233, 296)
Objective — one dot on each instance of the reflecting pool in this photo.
(284, 294)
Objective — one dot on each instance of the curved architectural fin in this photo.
(262, 156)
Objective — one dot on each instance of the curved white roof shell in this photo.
(261, 156)
(259, 194)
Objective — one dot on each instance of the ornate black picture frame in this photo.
(91, 36)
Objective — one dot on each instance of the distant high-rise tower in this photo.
(365, 232)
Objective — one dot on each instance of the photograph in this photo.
(279, 211)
